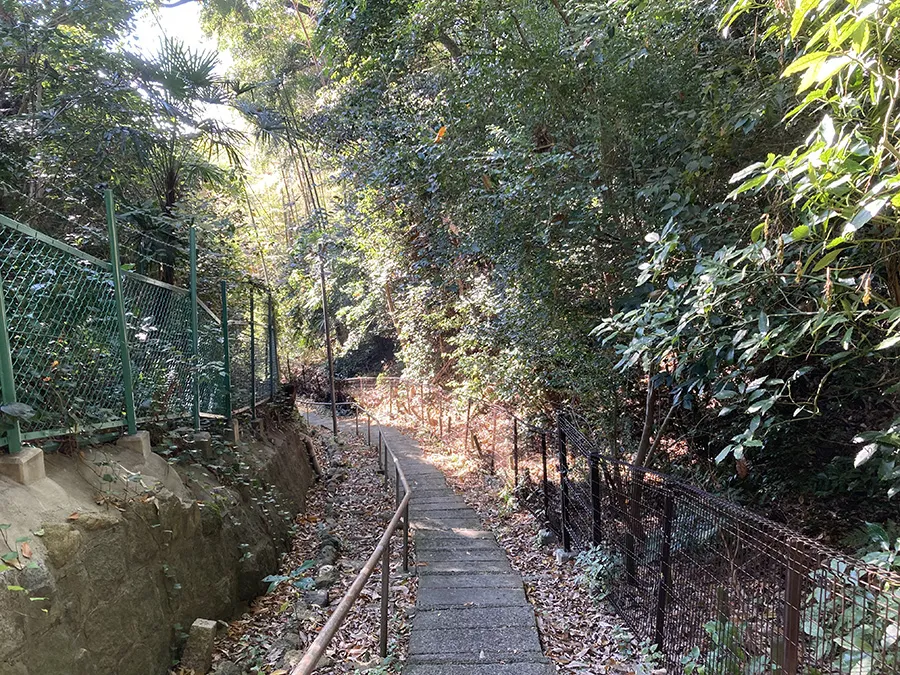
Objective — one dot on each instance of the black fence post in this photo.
(563, 486)
(793, 598)
(546, 483)
(596, 513)
(665, 570)
(515, 452)
(252, 358)
(468, 422)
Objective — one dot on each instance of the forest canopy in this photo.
(677, 218)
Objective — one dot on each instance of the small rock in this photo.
(327, 538)
(62, 542)
(328, 576)
(547, 538)
(324, 662)
(328, 555)
(563, 556)
(317, 598)
(290, 659)
(227, 668)
(289, 641)
(199, 648)
(96, 521)
(409, 612)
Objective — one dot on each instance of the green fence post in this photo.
(252, 358)
(7, 379)
(226, 351)
(195, 329)
(130, 416)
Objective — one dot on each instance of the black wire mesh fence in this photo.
(719, 589)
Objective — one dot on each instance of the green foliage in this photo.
(726, 653)
(879, 545)
(600, 569)
(848, 620)
(519, 180)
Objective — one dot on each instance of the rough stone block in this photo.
(198, 651)
(139, 442)
(233, 431)
(203, 442)
(25, 467)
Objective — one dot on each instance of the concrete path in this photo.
(472, 617)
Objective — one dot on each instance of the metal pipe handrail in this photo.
(315, 651)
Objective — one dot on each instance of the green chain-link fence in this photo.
(252, 330)
(64, 350)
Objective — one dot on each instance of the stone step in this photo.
(420, 522)
(441, 512)
(475, 617)
(449, 598)
(428, 505)
(511, 580)
(465, 567)
(458, 533)
(478, 644)
(454, 554)
(454, 544)
(415, 668)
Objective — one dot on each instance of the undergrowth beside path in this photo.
(345, 512)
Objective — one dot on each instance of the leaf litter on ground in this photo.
(352, 503)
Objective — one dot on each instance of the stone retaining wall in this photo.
(113, 585)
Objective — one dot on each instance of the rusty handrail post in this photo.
(381, 465)
(356, 417)
(315, 651)
(397, 485)
(406, 539)
(385, 591)
(369, 428)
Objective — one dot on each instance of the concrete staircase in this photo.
(472, 617)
